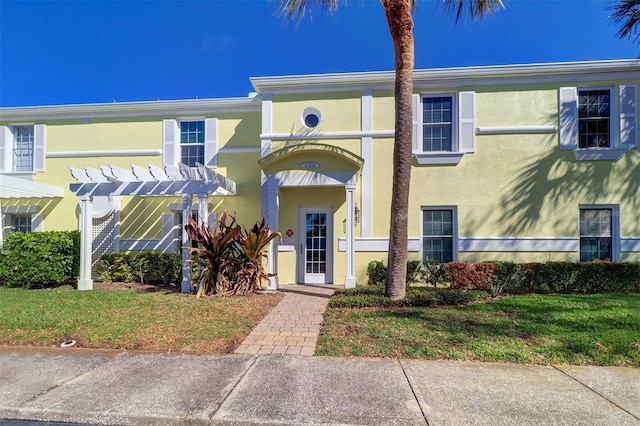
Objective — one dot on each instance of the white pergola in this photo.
(155, 181)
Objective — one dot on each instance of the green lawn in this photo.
(129, 320)
(602, 329)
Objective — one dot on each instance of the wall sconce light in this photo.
(356, 216)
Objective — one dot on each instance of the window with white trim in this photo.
(22, 148)
(439, 234)
(444, 127)
(598, 233)
(192, 142)
(598, 123)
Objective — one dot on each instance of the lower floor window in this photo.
(20, 223)
(437, 235)
(596, 236)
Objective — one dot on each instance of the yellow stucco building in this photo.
(524, 162)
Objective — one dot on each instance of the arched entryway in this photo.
(313, 242)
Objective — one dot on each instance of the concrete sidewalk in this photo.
(97, 387)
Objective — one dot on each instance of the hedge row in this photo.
(549, 277)
(40, 259)
(150, 267)
(373, 296)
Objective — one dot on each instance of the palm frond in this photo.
(473, 9)
(296, 9)
(626, 13)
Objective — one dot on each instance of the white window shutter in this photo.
(568, 118)
(416, 130)
(4, 148)
(212, 220)
(628, 116)
(170, 142)
(467, 121)
(39, 148)
(169, 239)
(211, 142)
(37, 223)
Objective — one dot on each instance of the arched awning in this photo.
(311, 156)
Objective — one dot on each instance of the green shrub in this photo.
(434, 274)
(510, 277)
(150, 267)
(373, 296)
(39, 259)
(377, 272)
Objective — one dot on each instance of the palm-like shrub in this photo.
(230, 257)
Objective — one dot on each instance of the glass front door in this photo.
(315, 249)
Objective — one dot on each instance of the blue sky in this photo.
(68, 52)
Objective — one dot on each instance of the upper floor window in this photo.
(22, 148)
(594, 118)
(598, 123)
(437, 123)
(444, 127)
(192, 142)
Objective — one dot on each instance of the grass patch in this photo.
(129, 320)
(602, 329)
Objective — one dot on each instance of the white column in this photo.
(203, 209)
(350, 279)
(185, 286)
(272, 221)
(86, 224)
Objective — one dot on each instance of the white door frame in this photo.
(302, 276)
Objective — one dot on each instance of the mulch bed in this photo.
(135, 286)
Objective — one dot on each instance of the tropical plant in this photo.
(626, 14)
(400, 21)
(230, 257)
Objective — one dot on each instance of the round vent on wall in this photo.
(102, 206)
(311, 117)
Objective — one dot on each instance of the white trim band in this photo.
(376, 244)
(511, 244)
(508, 130)
(238, 149)
(106, 153)
(328, 135)
(630, 244)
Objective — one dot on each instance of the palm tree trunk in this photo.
(398, 13)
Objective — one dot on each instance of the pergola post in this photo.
(185, 286)
(350, 279)
(86, 223)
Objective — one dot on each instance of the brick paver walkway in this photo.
(292, 327)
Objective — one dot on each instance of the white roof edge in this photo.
(377, 78)
(14, 187)
(138, 108)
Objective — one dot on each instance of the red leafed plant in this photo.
(230, 257)
(471, 276)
